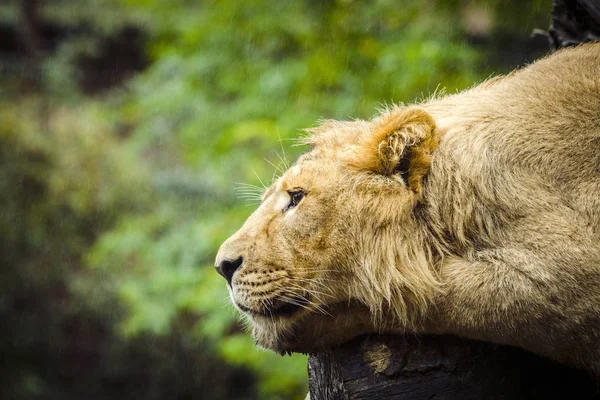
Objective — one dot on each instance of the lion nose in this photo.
(228, 267)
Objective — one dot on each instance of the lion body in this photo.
(476, 214)
(513, 195)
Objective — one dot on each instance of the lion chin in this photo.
(310, 331)
(269, 336)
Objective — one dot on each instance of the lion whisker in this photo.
(248, 192)
(308, 305)
(269, 306)
(322, 310)
(314, 291)
(249, 198)
(297, 278)
(226, 302)
(321, 270)
(315, 294)
(282, 150)
(283, 160)
(279, 171)
(250, 185)
(288, 300)
(293, 282)
(260, 180)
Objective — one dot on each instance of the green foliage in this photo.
(140, 179)
(229, 81)
(68, 157)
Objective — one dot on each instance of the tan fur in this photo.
(495, 237)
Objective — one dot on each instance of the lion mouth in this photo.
(287, 308)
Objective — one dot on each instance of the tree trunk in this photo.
(440, 367)
(574, 22)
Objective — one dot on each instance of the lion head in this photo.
(334, 250)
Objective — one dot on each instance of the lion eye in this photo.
(295, 198)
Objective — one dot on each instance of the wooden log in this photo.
(440, 367)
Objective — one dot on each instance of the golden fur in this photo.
(476, 214)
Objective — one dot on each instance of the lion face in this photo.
(319, 257)
(280, 263)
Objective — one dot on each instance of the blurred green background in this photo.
(125, 127)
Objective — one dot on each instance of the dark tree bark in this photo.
(574, 22)
(446, 367)
(440, 367)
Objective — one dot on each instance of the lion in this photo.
(475, 214)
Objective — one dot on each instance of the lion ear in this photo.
(401, 143)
